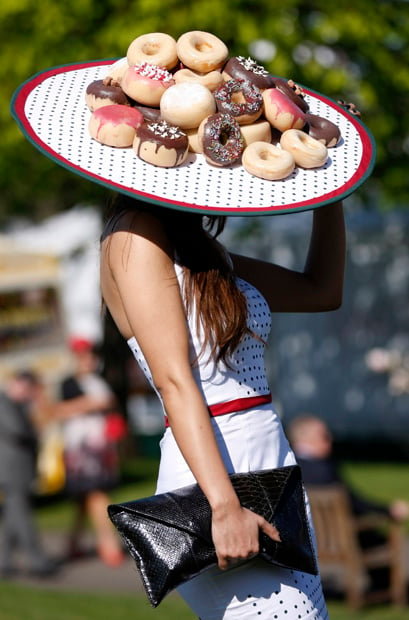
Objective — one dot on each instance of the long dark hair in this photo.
(209, 283)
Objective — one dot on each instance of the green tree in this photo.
(357, 51)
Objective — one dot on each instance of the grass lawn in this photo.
(380, 481)
(23, 603)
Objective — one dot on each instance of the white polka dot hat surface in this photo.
(51, 111)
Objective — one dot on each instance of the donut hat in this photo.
(51, 112)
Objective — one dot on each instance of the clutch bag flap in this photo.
(169, 535)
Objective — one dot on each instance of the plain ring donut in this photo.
(307, 152)
(156, 48)
(201, 51)
(266, 161)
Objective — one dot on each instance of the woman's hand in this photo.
(236, 534)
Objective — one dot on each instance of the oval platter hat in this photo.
(51, 111)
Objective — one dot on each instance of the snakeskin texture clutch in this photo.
(169, 535)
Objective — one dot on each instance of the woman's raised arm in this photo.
(319, 286)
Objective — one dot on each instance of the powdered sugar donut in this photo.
(186, 104)
(155, 48)
(115, 125)
(161, 144)
(146, 83)
(201, 51)
(211, 80)
(267, 161)
(307, 152)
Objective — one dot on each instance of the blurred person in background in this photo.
(22, 393)
(312, 443)
(90, 451)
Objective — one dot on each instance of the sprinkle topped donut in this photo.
(240, 99)
(161, 144)
(146, 83)
(221, 139)
(241, 68)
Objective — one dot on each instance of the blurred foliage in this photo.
(356, 51)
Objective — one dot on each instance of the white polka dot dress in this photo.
(248, 440)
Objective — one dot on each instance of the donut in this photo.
(186, 104)
(115, 125)
(161, 144)
(201, 51)
(323, 130)
(267, 161)
(211, 80)
(194, 142)
(293, 92)
(281, 111)
(117, 69)
(240, 68)
(148, 113)
(146, 83)
(260, 131)
(105, 92)
(240, 99)
(307, 152)
(155, 48)
(220, 139)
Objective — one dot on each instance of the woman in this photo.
(197, 320)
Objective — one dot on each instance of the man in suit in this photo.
(18, 451)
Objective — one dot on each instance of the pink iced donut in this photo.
(155, 48)
(307, 152)
(115, 125)
(186, 105)
(240, 99)
(146, 83)
(281, 112)
(266, 161)
(220, 139)
(293, 92)
(201, 51)
(161, 144)
(211, 80)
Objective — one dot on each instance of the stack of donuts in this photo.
(168, 97)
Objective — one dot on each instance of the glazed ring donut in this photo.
(161, 144)
(240, 68)
(307, 152)
(220, 139)
(211, 80)
(117, 69)
(201, 51)
(156, 48)
(240, 99)
(266, 161)
(323, 130)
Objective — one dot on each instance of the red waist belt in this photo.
(238, 404)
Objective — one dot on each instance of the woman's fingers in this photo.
(270, 530)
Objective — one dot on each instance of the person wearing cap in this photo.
(90, 456)
(197, 319)
(18, 453)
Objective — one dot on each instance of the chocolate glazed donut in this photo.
(293, 92)
(323, 130)
(240, 68)
(108, 91)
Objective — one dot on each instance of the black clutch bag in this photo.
(169, 535)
